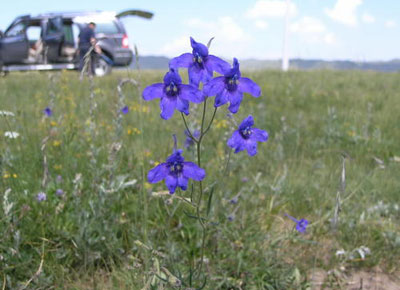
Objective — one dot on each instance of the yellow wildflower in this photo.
(56, 143)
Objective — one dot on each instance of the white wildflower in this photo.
(11, 135)
(7, 114)
(340, 253)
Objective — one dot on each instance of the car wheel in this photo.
(101, 67)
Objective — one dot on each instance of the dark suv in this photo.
(50, 41)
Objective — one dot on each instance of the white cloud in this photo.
(367, 18)
(330, 38)
(308, 25)
(344, 11)
(177, 46)
(230, 38)
(312, 30)
(270, 9)
(390, 24)
(261, 24)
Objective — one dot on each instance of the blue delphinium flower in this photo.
(48, 112)
(176, 172)
(189, 141)
(125, 110)
(230, 88)
(199, 63)
(173, 94)
(301, 225)
(246, 137)
(41, 196)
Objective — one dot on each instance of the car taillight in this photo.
(125, 41)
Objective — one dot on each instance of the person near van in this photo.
(85, 42)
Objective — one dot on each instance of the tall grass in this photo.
(96, 233)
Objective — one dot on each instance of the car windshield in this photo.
(107, 28)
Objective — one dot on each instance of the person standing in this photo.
(86, 41)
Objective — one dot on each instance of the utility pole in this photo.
(285, 56)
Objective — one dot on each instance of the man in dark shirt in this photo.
(86, 40)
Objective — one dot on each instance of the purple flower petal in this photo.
(222, 98)
(184, 60)
(248, 122)
(167, 106)
(172, 77)
(246, 85)
(236, 142)
(171, 182)
(197, 75)
(183, 182)
(158, 173)
(214, 87)
(48, 112)
(191, 93)
(125, 110)
(259, 135)
(191, 170)
(251, 147)
(198, 47)
(182, 106)
(235, 101)
(302, 225)
(153, 91)
(218, 65)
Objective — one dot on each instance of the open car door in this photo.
(53, 38)
(14, 44)
(139, 13)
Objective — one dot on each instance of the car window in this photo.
(54, 25)
(107, 28)
(33, 32)
(17, 29)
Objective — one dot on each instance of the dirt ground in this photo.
(360, 280)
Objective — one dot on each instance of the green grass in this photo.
(102, 235)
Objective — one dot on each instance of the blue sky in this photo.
(328, 29)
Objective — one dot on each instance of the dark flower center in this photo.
(198, 60)
(232, 82)
(176, 168)
(171, 90)
(246, 132)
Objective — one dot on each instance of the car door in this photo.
(53, 38)
(14, 45)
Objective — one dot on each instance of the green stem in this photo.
(188, 130)
(203, 226)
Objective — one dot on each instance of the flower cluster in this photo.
(228, 87)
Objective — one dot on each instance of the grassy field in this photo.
(112, 230)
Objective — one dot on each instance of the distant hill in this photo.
(161, 62)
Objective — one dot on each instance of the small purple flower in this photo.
(59, 179)
(231, 217)
(176, 172)
(234, 200)
(41, 196)
(173, 94)
(199, 63)
(48, 112)
(230, 88)
(246, 137)
(189, 141)
(301, 225)
(59, 192)
(125, 110)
